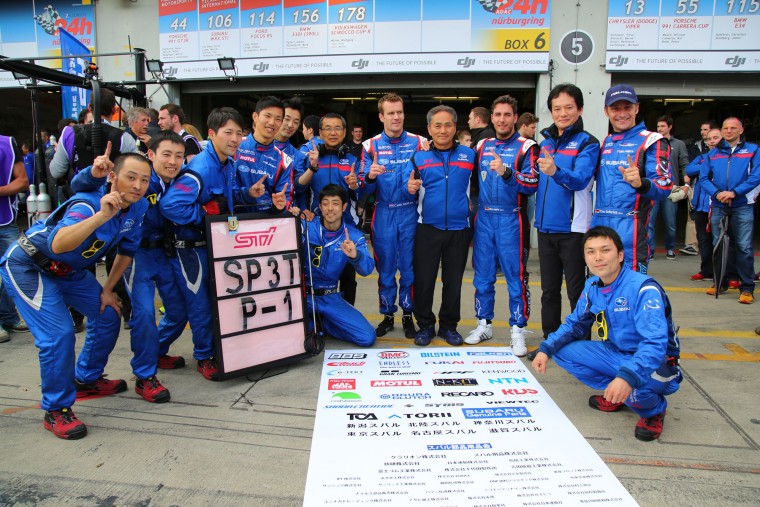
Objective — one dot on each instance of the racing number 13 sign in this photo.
(255, 279)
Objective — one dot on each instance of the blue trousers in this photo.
(596, 364)
(669, 210)
(8, 313)
(500, 236)
(393, 231)
(740, 230)
(43, 301)
(190, 268)
(341, 320)
(151, 270)
(633, 234)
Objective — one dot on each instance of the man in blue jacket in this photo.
(46, 270)
(636, 361)
(507, 175)
(394, 222)
(262, 170)
(205, 187)
(633, 173)
(569, 157)
(330, 243)
(290, 124)
(441, 176)
(730, 175)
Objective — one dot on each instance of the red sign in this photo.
(341, 384)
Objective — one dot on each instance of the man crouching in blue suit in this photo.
(636, 361)
(330, 244)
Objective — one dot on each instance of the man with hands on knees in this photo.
(636, 361)
(330, 245)
(46, 270)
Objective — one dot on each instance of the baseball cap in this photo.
(620, 92)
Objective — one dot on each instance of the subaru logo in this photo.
(466, 62)
(735, 61)
(618, 61)
(360, 63)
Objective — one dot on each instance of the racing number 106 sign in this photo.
(255, 279)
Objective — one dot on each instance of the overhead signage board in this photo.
(683, 35)
(293, 37)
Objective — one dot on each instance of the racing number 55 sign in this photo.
(255, 280)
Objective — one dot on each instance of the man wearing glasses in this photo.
(330, 244)
(46, 270)
(636, 361)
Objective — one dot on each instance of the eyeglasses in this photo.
(331, 129)
(317, 256)
(96, 245)
(601, 326)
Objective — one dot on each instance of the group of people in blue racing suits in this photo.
(421, 221)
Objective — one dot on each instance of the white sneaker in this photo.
(518, 341)
(5, 337)
(481, 333)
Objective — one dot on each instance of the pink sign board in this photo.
(255, 265)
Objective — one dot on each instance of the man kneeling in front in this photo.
(636, 361)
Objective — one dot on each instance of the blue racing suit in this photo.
(333, 167)
(499, 225)
(700, 200)
(323, 263)
(394, 221)
(205, 186)
(299, 164)
(622, 207)
(154, 272)
(639, 341)
(255, 160)
(45, 286)
(736, 169)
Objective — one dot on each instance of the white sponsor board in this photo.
(447, 427)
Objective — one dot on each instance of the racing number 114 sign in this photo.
(255, 280)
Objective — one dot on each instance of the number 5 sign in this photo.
(576, 47)
(255, 280)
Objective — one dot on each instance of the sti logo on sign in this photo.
(455, 382)
(340, 355)
(736, 61)
(395, 383)
(360, 64)
(255, 238)
(362, 417)
(392, 354)
(466, 62)
(618, 61)
(341, 384)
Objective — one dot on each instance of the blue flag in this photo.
(74, 99)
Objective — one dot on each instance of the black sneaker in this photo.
(385, 326)
(671, 255)
(408, 323)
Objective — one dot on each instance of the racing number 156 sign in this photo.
(255, 279)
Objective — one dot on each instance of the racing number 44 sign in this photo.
(255, 279)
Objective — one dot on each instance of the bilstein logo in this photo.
(360, 63)
(466, 62)
(618, 61)
(256, 238)
(735, 61)
(260, 67)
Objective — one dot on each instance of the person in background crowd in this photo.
(679, 159)
(701, 209)
(310, 129)
(701, 146)
(85, 117)
(394, 222)
(138, 119)
(730, 175)
(441, 176)
(153, 127)
(190, 129)
(27, 150)
(479, 130)
(47, 268)
(357, 137)
(205, 187)
(691, 240)
(172, 117)
(507, 170)
(636, 361)
(464, 137)
(329, 244)
(13, 180)
(290, 125)
(569, 157)
(634, 171)
(526, 125)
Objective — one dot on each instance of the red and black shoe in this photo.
(64, 424)
(167, 362)
(599, 403)
(649, 428)
(208, 368)
(152, 390)
(100, 387)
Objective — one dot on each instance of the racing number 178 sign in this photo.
(255, 279)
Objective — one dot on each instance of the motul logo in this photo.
(395, 383)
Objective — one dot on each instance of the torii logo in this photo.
(255, 238)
